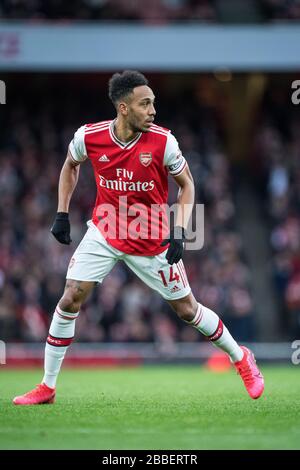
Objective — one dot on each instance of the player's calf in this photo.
(209, 324)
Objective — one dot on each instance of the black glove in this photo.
(176, 239)
(61, 228)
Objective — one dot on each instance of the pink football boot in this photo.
(250, 373)
(38, 396)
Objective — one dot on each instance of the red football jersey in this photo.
(132, 184)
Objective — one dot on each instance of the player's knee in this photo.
(68, 304)
(185, 308)
(71, 300)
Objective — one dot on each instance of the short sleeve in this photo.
(77, 146)
(174, 161)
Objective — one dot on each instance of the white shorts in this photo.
(95, 258)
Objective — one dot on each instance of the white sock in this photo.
(207, 322)
(61, 334)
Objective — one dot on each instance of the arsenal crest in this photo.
(146, 158)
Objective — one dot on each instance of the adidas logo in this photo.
(175, 289)
(104, 158)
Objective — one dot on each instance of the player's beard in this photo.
(136, 126)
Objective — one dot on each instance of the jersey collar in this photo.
(122, 145)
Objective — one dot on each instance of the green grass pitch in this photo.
(152, 408)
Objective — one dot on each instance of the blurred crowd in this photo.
(281, 10)
(277, 156)
(152, 11)
(36, 131)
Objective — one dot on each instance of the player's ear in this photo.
(123, 108)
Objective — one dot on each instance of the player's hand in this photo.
(61, 228)
(176, 239)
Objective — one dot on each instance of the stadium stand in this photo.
(277, 166)
(154, 11)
